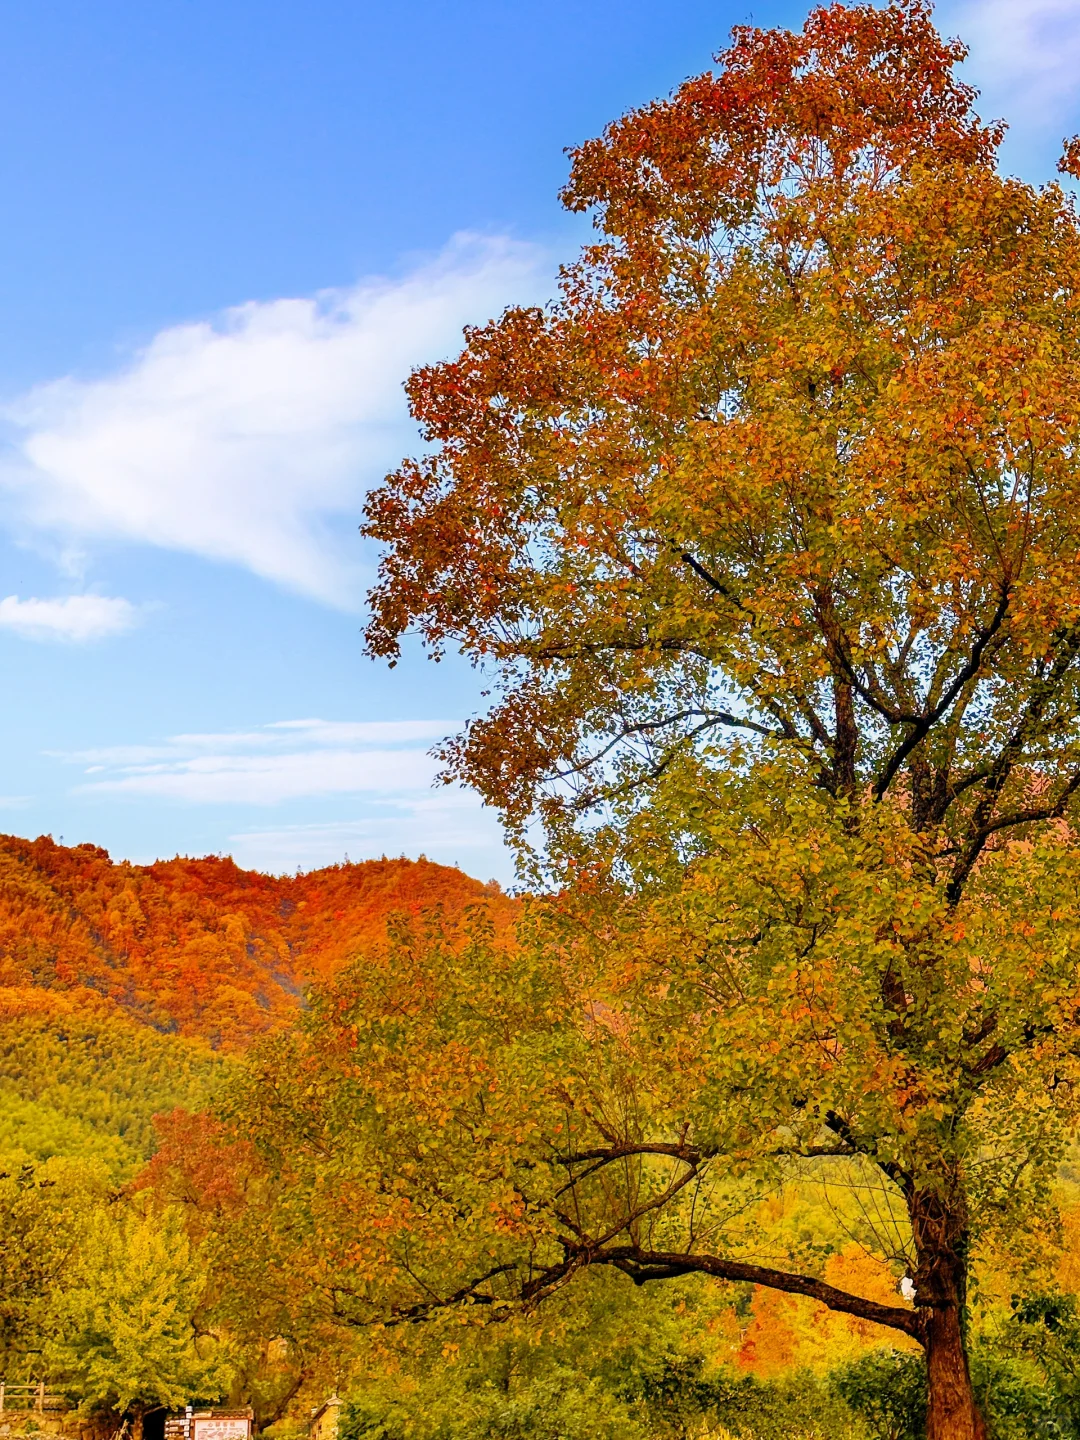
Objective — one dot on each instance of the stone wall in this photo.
(62, 1424)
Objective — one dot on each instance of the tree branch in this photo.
(644, 1265)
(644, 727)
(889, 1168)
(977, 842)
(688, 1153)
(926, 722)
(470, 1292)
(712, 582)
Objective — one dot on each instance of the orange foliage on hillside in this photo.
(200, 946)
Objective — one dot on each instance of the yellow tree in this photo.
(768, 535)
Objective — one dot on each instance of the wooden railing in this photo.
(29, 1397)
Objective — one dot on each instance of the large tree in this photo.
(768, 535)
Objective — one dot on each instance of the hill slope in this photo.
(123, 988)
(200, 947)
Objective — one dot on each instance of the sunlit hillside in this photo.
(128, 990)
(199, 947)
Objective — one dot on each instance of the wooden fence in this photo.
(24, 1398)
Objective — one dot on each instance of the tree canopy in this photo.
(791, 457)
(767, 532)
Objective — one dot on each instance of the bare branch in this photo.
(712, 582)
(644, 1265)
(977, 840)
(689, 1154)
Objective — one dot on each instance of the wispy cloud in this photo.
(287, 760)
(358, 732)
(1025, 58)
(270, 779)
(75, 618)
(449, 827)
(243, 438)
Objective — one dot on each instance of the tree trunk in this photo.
(952, 1412)
(939, 1229)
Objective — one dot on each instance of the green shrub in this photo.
(1027, 1370)
(681, 1399)
(1026, 1375)
(888, 1389)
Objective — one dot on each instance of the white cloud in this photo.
(279, 735)
(288, 760)
(270, 779)
(1025, 58)
(242, 438)
(74, 617)
(365, 732)
(378, 769)
(448, 827)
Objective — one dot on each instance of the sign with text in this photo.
(222, 1427)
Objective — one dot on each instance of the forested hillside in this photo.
(83, 1079)
(197, 947)
(127, 990)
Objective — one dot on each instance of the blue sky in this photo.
(230, 230)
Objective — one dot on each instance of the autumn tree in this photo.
(122, 1332)
(46, 1210)
(268, 1315)
(767, 532)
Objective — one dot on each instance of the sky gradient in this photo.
(231, 230)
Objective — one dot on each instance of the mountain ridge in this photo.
(198, 947)
(128, 992)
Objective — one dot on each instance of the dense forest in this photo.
(161, 1239)
(129, 990)
(194, 947)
